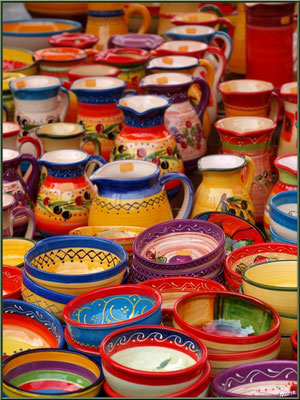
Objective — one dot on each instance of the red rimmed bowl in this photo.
(226, 321)
(79, 40)
(294, 344)
(151, 361)
(11, 282)
(231, 285)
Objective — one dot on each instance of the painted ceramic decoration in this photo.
(14, 250)
(10, 132)
(131, 192)
(283, 215)
(181, 118)
(51, 374)
(11, 282)
(289, 132)
(8, 104)
(77, 40)
(66, 193)
(15, 60)
(26, 326)
(225, 186)
(144, 41)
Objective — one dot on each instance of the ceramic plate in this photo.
(11, 282)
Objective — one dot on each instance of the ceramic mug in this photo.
(10, 211)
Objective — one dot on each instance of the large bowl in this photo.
(14, 250)
(151, 354)
(288, 323)
(92, 316)
(226, 321)
(51, 374)
(27, 326)
(11, 282)
(275, 283)
(18, 60)
(277, 378)
(283, 214)
(75, 265)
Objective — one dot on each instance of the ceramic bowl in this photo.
(75, 265)
(151, 361)
(18, 60)
(273, 282)
(11, 282)
(27, 326)
(277, 378)
(79, 40)
(288, 323)
(14, 250)
(198, 389)
(32, 34)
(279, 239)
(227, 322)
(51, 374)
(92, 316)
(240, 259)
(294, 344)
(230, 284)
(283, 214)
(286, 348)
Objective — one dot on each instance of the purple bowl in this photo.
(257, 375)
(146, 41)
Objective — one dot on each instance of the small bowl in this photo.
(279, 239)
(78, 39)
(226, 321)
(14, 250)
(253, 379)
(92, 316)
(75, 265)
(19, 60)
(51, 374)
(288, 323)
(283, 214)
(27, 326)
(11, 282)
(275, 283)
(131, 380)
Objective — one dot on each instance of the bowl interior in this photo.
(183, 46)
(245, 86)
(11, 281)
(14, 250)
(37, 26)
(117, 233)
(14, 59)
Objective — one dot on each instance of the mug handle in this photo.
(33, 178)
(142, 10)
(64, 103)
(91, 138)
(89, 168)
(212, 9)
(228, 24)
(205, 95)
(31, 221)
(249, 173)
(66, 84)
(34, 141)
(275, 107)
(221, 62)
(188, 192)
(226, 39)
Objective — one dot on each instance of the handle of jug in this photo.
(204, 86)
(93, 159)
(249, 173)
(142, 10)
(228, 24)
(31, 221)
(64, 103)
(227, 43)
(91, 138)
(275, 106)
(33, 178)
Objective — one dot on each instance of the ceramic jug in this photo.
(237, 62)
(169, 10)
(250, 136)
(7, 97)
(181, 118)
(13, 184)
(289, 131)
(108, 19)
(97, 111)
(11, 140)
(145, 137)
(225, 186)
(287, 167)
(65, 196)
(131, 192)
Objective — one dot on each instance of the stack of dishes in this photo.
(283, 217)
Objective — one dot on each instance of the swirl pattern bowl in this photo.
(11, 282)
(283, 215)
(151, 361)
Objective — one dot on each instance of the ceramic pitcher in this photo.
(65, 196)
(250, 136)
(131, 192)
(181, 118)
(11, 140)
(225, 186)
(169, 10)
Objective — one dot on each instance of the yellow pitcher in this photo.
(225, 186)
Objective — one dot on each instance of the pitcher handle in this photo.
(91, 138)
(33, 178)
(34, 141)
(204, 96)
(31, 221)
(249, 173)
(226, 39)
(210, 71)
(188, 192)
(93, 159)
(228, 24)
(275, 106)
(64, 103)
(221, 61)
(212, 9)
(142, 10)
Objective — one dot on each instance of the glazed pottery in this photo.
(286, 349)
(289, 132)
(131, 61)
(131, 192)
(32, 34)
(225, 186)
(26, 326)
(227, 322)
(97, 111)
(78, 264)
(108, 19)
(294, 342)
(274, 282)
(144, 41)
(77, 40)
(181, 118)
(66, 194)
(237, 62)
(169, 10)
(94, 315)
(19, 61)
(72, 10)
(288, 324)
(14, 250)
(283, 215)
(11, 282)
(45, 373)
(251, 136)
(8, 105)
(10, 132)
(269, 32)
(258, 379)
(287, 167)
(174, 360)
(89, 71)
(280, 239)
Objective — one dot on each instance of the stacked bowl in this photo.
(283, 217)
(180, 247)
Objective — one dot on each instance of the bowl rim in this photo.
(226, 339)
(264, 286)
(25, 51)
(129, 289)
(137, 229)
(19, 238)
(149, 374)
(16, 271)
(280, 239)
(78, 347)
(276, 210)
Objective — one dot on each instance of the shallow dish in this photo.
(151, 361)
(275, 283)
(283, 214)
(11, 282)
(26, 326)
(14, 250)
(51, 374)
(18, 60)
(92, 316)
